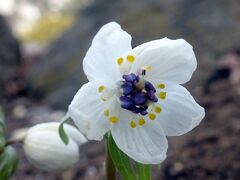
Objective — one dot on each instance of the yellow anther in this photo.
(106, 112)
(141, 121)
(161, 86)
(130, 58)
(152, 116)
(162, 95)
(101, 88)
(158, 109)
(147, 68)
(120, 61)
(113, 119)
(133, 124)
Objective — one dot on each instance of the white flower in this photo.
(45, 150)
(135, 93)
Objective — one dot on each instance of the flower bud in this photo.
(45, 150)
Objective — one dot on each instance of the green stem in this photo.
(13, 141)
(110, 167)
(144, 171)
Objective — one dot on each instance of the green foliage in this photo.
(2, 130)
(8, 163)
(8, 156)
(61, 131)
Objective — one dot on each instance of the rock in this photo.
(210, 26)
(10, 57)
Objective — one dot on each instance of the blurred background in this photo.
(42, 44)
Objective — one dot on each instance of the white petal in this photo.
(108, 45)
(170, 60)
(180, 112)
(45, 150)
(87, 111)
(145, 144)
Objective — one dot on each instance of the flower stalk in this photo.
(110, 167)
(13, 141)
(144, 171)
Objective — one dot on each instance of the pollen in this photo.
(120, 61)
(162, 95)
(101, 88)
(113, 119)
(106, 112)
(158, 109)
(152, 116)
(161, 86)
(141, 121)
(133, 124)
(130, 58)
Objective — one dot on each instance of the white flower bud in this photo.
(45, 150)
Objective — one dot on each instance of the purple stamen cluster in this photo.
(137, 94)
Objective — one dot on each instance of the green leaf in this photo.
(2, 131)
(144, 171)
(61, 131)
(121, 160)
(1, 116)
(8, 163)
(2, 143)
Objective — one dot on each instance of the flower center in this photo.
(135, 94)
(138, 95)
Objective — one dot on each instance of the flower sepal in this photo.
(63, 135)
